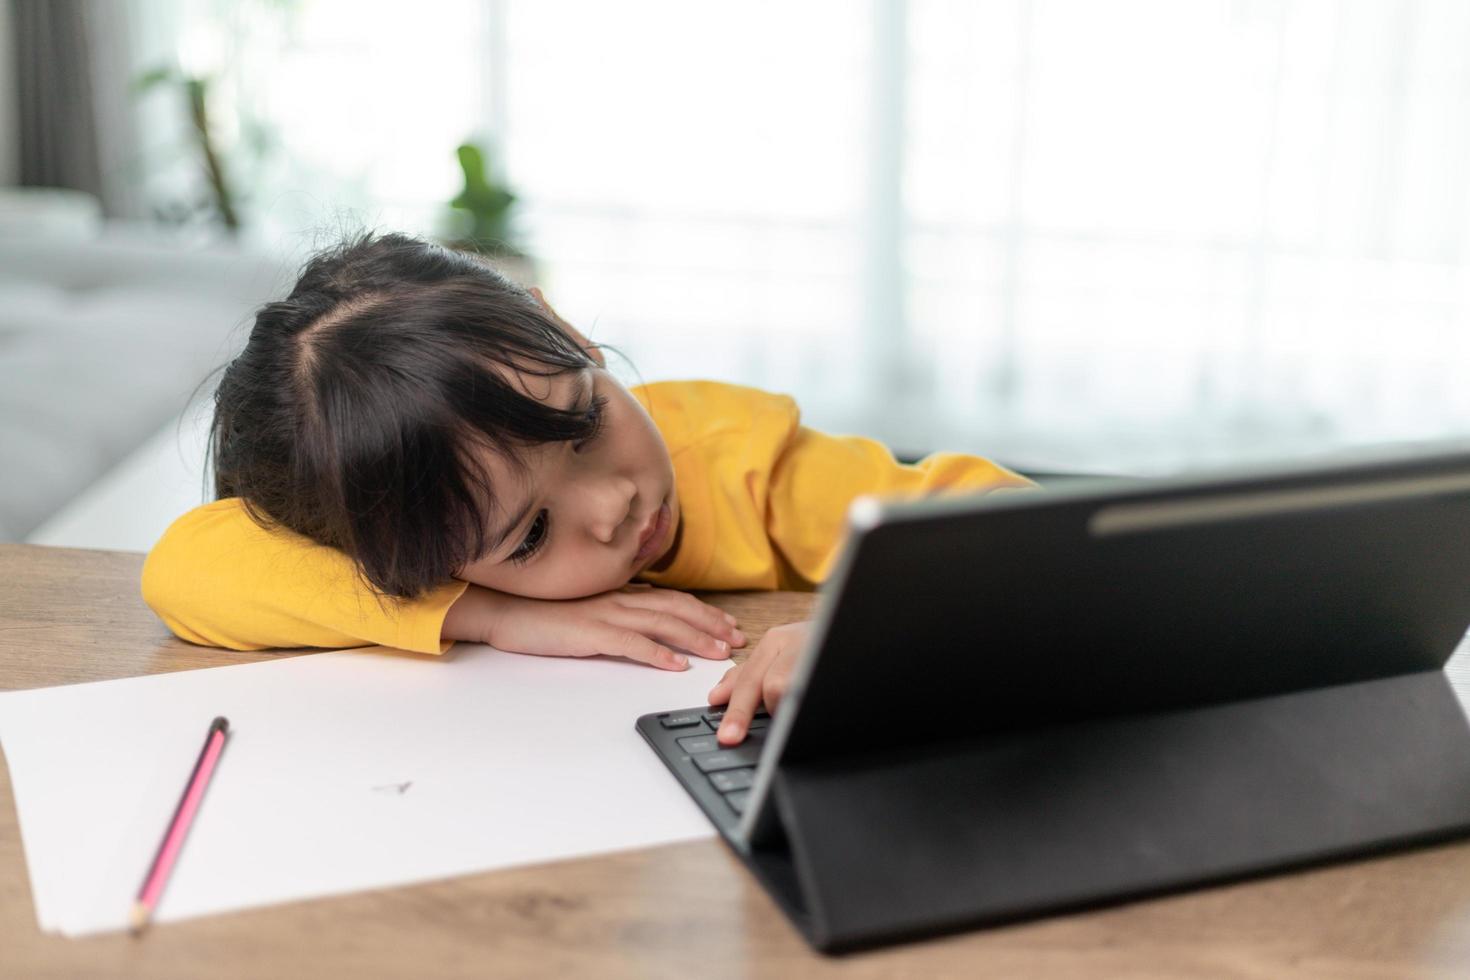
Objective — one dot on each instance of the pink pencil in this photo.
(178, 827)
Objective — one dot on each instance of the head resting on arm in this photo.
(364, 405)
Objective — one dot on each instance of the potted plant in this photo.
(481, 218)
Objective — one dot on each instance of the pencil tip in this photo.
(138, 918)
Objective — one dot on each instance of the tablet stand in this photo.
(1024, 822)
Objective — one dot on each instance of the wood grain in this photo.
(683, 910)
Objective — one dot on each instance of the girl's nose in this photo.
(612, 508)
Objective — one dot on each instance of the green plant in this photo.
(223, 199)
(486, 208)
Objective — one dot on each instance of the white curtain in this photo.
(1131, 236)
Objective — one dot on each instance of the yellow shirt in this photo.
(763, 499)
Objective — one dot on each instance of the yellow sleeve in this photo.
(219, 579)
(817, 476)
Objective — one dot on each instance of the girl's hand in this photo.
(639, 622)
(762, 679)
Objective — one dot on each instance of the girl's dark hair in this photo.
(355, 410)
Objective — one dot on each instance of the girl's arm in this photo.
(218, 578)
(816, 477)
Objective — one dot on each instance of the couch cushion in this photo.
(101, 342)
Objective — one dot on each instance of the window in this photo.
(1132, 236)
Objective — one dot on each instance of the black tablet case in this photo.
(1018, 708)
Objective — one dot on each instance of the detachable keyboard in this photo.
(718, 778)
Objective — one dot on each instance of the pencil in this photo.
(178, 827)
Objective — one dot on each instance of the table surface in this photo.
(68, 616)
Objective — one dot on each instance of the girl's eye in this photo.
(594, 415)
(535, 538)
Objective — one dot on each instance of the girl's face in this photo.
(585, 517)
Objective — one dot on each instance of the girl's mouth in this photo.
(654, 535)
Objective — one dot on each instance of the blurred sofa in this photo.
(105, 333)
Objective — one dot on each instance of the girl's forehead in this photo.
(532, 465)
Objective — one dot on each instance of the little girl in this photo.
(412, 450)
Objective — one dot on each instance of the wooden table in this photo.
(686, 910)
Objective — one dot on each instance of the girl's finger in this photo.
(673, 631)
(744, 700)
(714, 621)
(720, 693)
(634, 645)
(773, 687)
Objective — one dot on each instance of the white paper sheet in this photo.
(343, 771)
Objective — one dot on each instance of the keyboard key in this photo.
(759, 723)
(714, 716)
(682, 719)
(738, 799)
(695, 744)
(729, 780)
(745, 754)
